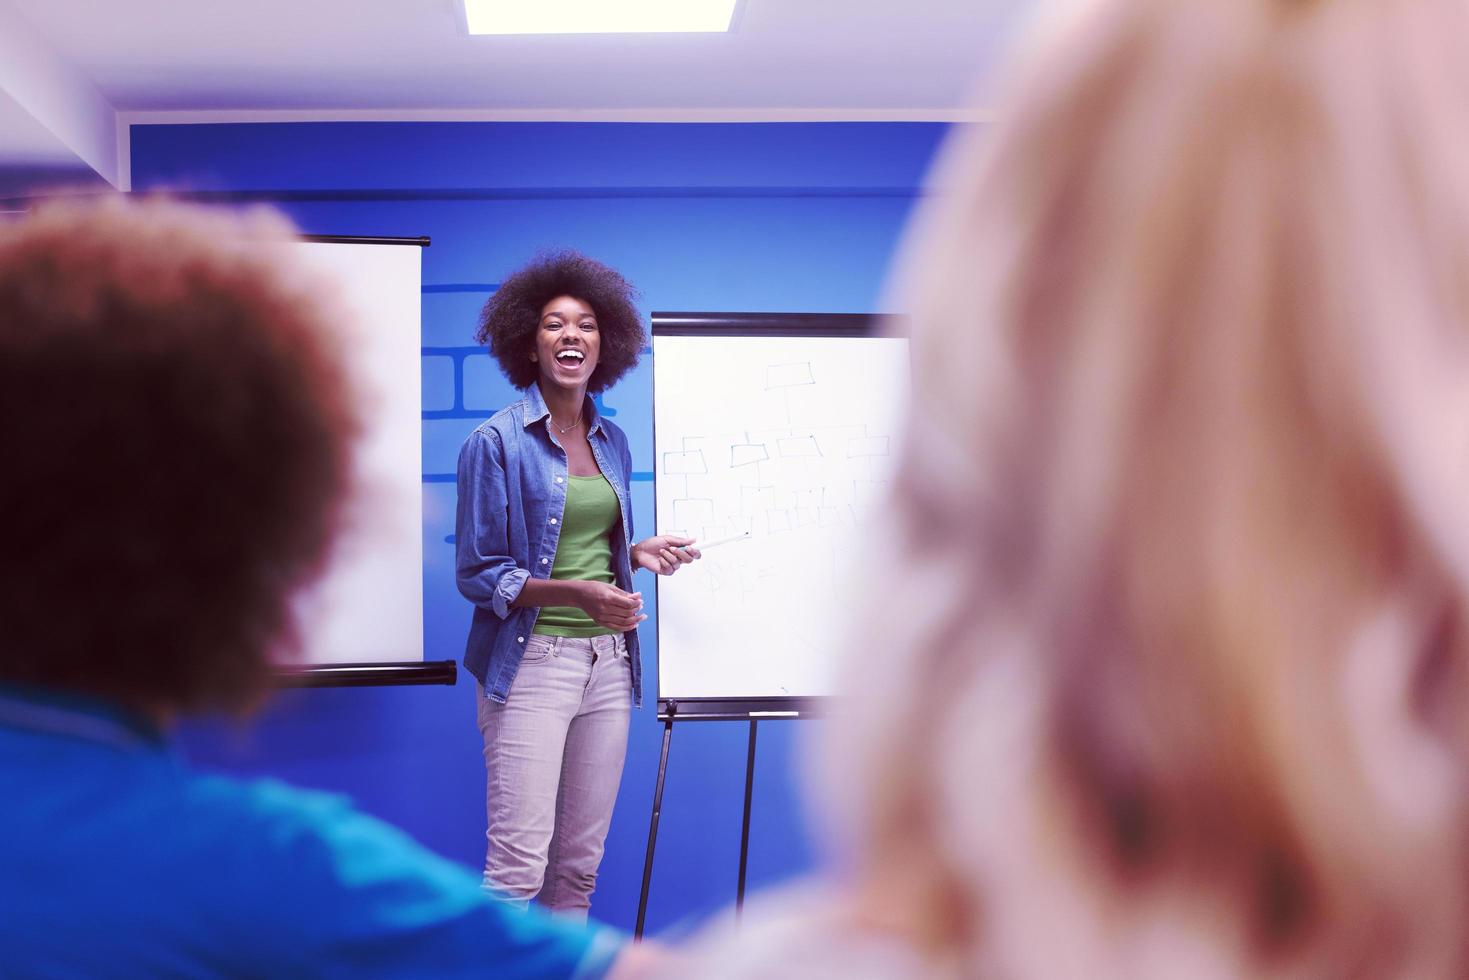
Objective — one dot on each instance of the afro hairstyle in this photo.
(510, 319)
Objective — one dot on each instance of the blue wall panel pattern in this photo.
(717, 217)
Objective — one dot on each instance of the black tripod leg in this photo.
(653, 830)
(745, 825)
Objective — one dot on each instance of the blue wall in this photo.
(792, 217)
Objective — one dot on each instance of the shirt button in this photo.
(553, 520)
(520, 639)
(544, 561)
(558, 479)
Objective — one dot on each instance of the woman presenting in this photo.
(545, 553)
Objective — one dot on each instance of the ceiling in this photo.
(73, 73)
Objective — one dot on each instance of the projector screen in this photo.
(368, 608)
(781, 443)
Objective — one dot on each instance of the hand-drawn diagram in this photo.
(789, 440)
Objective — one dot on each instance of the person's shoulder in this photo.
(290, 818)
(501, 428)
(513, 414)
(250, 864)
(804, 930)
(263, 800)
(327, 885)
(316, 847)
(613, 432)
(272, 821)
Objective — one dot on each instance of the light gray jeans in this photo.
(553, 762)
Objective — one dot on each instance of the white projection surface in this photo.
(786, 442)
(368, 607)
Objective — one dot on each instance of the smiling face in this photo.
(567, 343)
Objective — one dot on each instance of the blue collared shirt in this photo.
(512, 497)
(120, 861)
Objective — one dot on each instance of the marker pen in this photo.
(714, 544)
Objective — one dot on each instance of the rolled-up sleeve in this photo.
(486, 574)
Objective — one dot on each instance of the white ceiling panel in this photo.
(78, 71)
(851, 55)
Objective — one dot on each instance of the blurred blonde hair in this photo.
(1173, 677)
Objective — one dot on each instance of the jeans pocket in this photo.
(537, 649)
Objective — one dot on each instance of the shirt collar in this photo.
(536, 410)
(81, 716)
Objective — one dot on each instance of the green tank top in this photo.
(584, 552)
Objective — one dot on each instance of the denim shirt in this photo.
(512, 496)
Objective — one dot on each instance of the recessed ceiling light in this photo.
(598, 16)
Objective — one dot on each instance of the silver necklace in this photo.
(569, 427)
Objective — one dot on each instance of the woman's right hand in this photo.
(611, 607)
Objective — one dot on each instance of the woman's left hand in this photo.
(664, 553)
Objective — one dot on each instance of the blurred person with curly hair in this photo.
(176, 428)
(546, 553)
